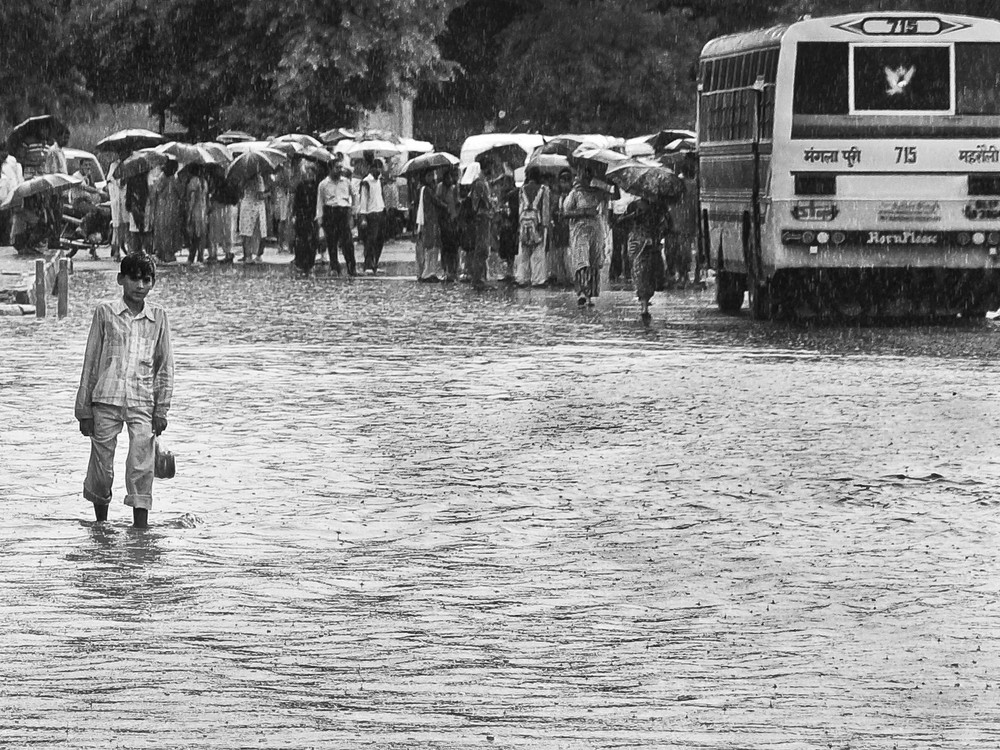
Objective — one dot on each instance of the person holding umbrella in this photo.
(195, 212)
(166, 198)
(646, 222)
(586, 207)
(447, 193)
(482, 204)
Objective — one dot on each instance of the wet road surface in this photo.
(410, 516)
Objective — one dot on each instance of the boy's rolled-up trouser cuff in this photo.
(139, 501)
(95, 498)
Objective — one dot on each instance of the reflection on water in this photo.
(411, 516)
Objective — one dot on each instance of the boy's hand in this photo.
(159, 425)
(87, 427)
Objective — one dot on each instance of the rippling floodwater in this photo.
(407, 516)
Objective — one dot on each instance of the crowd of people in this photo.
(552, 228)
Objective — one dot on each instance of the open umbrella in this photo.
(412, 146)
(374, 148)
(253, 164)
(188, 153)
(548, 163)
(140, 162)
(661, 141)
(32, 129)
(234, 136)
(44, 184)
(219, 151)
(335, 135)
(243, 146)
(318, 155)
(433, 160)
(300, 138)
(130, 140)
(646, 179)
(598, 159)
(511, 154)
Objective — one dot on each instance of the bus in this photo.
(850, 165)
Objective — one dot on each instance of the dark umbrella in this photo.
(139, 163)
(130, 140)
(646, 179)
(44, 184)
(511, 154)
(254, 163)
(433, 160)
(31, 129)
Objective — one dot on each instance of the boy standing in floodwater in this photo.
(128, 379)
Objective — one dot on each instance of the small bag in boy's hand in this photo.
(164, 463)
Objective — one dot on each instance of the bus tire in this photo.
(760, 297)
(729, 289)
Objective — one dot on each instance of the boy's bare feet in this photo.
(140, 518)
(101, 511)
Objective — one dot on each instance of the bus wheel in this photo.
(729, 288)
(761, 300)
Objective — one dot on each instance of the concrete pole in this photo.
(62, 283)
(40, 288)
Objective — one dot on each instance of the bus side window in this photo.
(771, 65)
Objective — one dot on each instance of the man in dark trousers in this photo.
(334, 207)
(371, 215)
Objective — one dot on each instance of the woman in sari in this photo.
(586, 208)
(166, 198)
(253, 219)
(428, 246)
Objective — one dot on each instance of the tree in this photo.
(600, 66)
(37, 75)
(303, 64)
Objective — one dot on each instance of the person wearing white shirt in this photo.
(119, 214)
(371, 216)
(11, 175)
(335, 204)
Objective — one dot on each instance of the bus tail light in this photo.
(964, 238)
(993, 238)
(839, 238)
(808, 238)
(984, 184)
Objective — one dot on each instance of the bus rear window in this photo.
(977, 78)
(821, 79)
(895, 78)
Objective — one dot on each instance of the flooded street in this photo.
(411, 516)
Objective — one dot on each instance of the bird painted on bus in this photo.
(899, 79)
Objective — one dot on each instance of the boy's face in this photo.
(135, 290)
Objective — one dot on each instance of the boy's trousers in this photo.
(108, 421)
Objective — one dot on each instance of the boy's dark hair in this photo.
(138, 265)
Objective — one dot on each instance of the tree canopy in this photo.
(214, 64)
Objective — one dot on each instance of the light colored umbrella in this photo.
(548, 163)
(299, 138)
(243, 146)
(44, 184)
(319, 155)
(470, 173)
(234, 136)
(219, 151)
(373, 148)
(140, 162)
(130, 140)
(336, 135)
(412, 146)
(643, 178)
(254, 163)
(187, 153)
(599, 159)
(433, 160)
